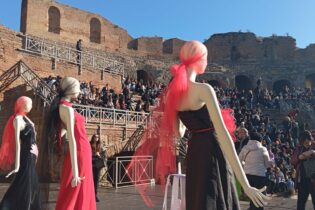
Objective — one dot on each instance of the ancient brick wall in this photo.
(172, 46)
(150, 45)
(58, 22)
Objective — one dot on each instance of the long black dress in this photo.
(209, 178)
(23, 194)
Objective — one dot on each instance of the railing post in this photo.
(114, 115)
(116, 174)
(26, 42)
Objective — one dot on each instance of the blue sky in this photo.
(195, 19)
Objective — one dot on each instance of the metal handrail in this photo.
(36, 83)
(61, 52)
(111, 116)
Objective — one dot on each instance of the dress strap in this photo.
(64, 102)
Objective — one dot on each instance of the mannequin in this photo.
(19, 139)
(77, 188)
(186, 104)
(199, 95)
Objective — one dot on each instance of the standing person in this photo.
(256, 161)
(305, 185)
(209, 178)
(19, 147)
(242, 139)
(79, 51)
(76, 187)
(97, 162)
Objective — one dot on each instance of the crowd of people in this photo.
(108, 97)
(257, 129)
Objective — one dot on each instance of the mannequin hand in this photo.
(12, 172)
(34, 149)
(76, 181)
(256, 196)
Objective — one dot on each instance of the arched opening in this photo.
(143, 76)
(310, 81)
(243, 82)
(214, 83)
(54, 20)
(281, 85)
(235, 54)
(95, 30)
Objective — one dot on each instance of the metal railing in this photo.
(20, 69)
(71, 55)
(120, 176)
(38, 85)
(114, 117)
(9, 76)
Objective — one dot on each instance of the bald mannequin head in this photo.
(70, 86)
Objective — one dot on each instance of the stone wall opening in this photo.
(54, 20)
(243, 82)
(310, 81)
(235, 54)
(214, 83)
(143, 76)
(95, 30)
(280, 85)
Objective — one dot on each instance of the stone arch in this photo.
(243, 82)
(54, 20)
(143, 76)
(235, 54)
(310, 81)
(214, 83)
(279, 85)
(95, 30)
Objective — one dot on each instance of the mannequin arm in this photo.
(19, 125)
(179, 128)
(64, 133)
(207, 94)
(67, 117)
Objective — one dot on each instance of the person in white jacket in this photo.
(255, 159)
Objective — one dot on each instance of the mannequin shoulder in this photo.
(19, 121)
(204, 88)
(65, 112)
(64, 108)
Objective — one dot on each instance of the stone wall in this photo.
(70, 25)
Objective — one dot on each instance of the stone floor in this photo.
(128, 199)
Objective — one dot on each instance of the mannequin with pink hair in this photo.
(209, 178)
(187, 104)
(19, 147)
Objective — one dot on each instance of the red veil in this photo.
(7, 150)
(158, 139)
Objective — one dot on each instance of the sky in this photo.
(194, 19)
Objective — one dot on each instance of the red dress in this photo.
(81, 197)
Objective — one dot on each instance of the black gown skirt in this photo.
(23, 193)
(210, 183)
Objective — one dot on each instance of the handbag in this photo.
(98, 162)
(309, 166)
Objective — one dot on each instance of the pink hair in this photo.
(7, 150)
(193, 55)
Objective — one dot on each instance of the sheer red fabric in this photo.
(7, 150)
